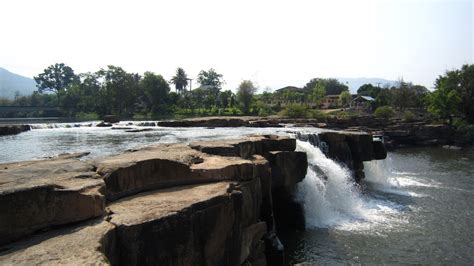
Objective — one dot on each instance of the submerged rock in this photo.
(104, 124)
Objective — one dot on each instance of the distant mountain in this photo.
(355, 83)
(10, 83)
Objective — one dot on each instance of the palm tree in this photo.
(180, 80)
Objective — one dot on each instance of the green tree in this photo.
(318, 93)
(198, 95)
(401, 95)
(224, 98)
(245, 95)
(56, 78)
(369, 90)
(455, 84)
(119, 91)
(211, 80)
(156, 91)
(444, 103)
(406, 94)
(384, 97)
(180, 80)
(345, 98)
(332, 86)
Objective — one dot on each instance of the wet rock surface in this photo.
(349, 148)
(13, 129)
(396, 132)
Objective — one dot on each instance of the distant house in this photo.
(363, 103)
(330, 101)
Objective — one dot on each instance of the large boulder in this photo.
(288, 168)
(361, 146)
(39, 194)
(191, 225)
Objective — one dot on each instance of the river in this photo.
(415, 207)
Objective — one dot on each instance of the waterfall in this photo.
(331, 198)
(380, 174)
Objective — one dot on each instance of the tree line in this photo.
(112, 90)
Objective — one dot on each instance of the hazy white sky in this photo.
(274, 43)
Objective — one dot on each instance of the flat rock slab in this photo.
(247, 146)
(38, 194)
(189, 225)
(164, 166)
(76, 245)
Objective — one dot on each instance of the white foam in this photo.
(382, 175)
(336, 202)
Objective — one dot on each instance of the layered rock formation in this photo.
(396, 132)
(207, 203)
(203, 203)
(348, 148)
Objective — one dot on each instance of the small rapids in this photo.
(331, 199)
(123, 124)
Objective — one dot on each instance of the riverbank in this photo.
(396, 133)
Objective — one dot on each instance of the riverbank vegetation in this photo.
(113, 90)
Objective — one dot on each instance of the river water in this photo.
(47, 140)
(415, 207)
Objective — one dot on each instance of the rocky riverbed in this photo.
(207, 202)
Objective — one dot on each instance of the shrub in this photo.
(87, 116)
(465, 134)
(296, 111)
(384, 112)
(265, 111)
(320, 116)
(408, 116)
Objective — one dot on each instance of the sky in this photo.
(273, 43)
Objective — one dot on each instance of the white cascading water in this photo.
(335, 201)
(381, 175)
